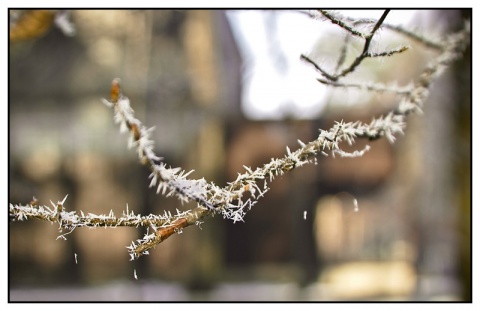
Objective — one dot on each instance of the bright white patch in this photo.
(277, 84)
(355, 205)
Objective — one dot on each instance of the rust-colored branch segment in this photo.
(163, 233)
(177, 226)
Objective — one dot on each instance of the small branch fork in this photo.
(229, 201)
(365, 53)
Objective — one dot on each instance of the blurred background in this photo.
(226, 89)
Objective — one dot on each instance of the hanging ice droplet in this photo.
(135, 274)
(355, 205)
(76, 262)
(305, 215)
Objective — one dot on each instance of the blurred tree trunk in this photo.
(462, 164)
(443, 203)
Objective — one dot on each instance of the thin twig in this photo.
(337, 21)
(318, 68)
(343, 53)
(388, 53)
(415, 36)
(378, 87)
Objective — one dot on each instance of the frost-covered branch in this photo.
(370, 86)
(238, 197)
(365, 52)
(350, 24)
(72, 220)
(169, 181)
